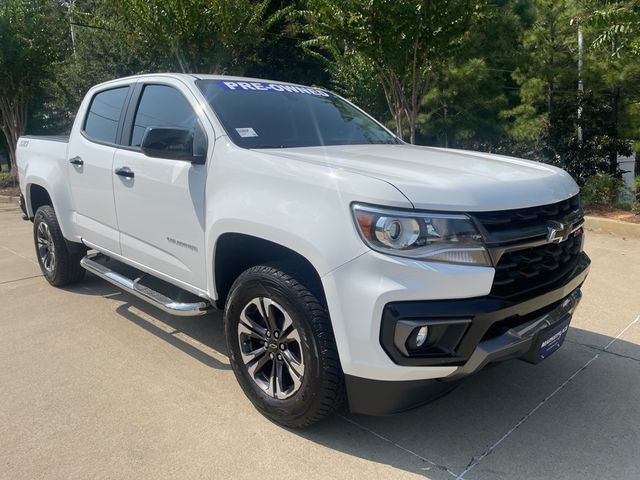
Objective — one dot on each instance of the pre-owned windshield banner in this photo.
(239, 86)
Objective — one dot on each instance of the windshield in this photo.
(279, 115)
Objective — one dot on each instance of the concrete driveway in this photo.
(96, 384)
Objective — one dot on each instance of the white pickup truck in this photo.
(348, 263)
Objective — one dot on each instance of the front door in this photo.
(91, 155)
(160, 202)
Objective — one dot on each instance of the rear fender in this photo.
(50, 178)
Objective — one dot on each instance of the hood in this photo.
(446, 179)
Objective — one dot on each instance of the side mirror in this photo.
(173, 143)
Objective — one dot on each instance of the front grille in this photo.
(522, 223)
(532, 269)
(516, 239)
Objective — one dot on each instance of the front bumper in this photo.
(494, 330)
(476, 322)
(376, 397)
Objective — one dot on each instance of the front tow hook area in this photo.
(532, 341)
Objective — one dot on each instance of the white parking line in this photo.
(397, 445)
(622, 332)
(476, 461)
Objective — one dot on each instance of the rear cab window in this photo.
(104, 114)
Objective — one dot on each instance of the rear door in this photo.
(92, 148)
(161, 204)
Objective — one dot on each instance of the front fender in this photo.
(301, 206)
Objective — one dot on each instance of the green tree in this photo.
(544, 125)
(280, 56)
(402, 40)
(100, 51)
(611, 94)
(31, 42)
(613, 67)
(207, 36)
(473, 87)
(547, 77)
(619, 24)
(463, 109)
(354, 77)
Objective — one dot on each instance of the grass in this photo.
(6, 180)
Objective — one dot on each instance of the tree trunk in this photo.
(393, 95)
(13, 114)
(415, 88)
(412, 111)
(396, 113)
(446, 126)
(182, 61)
(615, 112)
(399, 130)
(412, 127)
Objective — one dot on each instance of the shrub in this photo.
(6, 180)
(636, 195)
(601, 190)
(635, 189)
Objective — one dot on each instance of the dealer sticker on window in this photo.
(246, 132)
(237, 86)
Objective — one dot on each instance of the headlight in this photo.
(437, 237)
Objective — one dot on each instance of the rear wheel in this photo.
(59, 260)
(282, 348)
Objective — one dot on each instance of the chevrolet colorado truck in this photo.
(349, 264)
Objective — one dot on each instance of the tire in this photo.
(265, 296)
(59, 259)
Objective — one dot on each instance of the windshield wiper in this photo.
(266, 146)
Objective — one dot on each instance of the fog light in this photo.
(421, 336)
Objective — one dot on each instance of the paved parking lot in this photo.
(96, 384)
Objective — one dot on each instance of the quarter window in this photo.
(104, 114)
(161, 106)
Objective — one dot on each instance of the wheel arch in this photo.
(37, 196)
(236, 252)
(40, 190)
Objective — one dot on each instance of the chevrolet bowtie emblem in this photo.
(557, 232)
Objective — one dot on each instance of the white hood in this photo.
(446, 179)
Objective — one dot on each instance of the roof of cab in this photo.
(197, 76)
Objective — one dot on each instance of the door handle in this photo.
(76, 161)
(124, 172)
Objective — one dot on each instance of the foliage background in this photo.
(498, 75)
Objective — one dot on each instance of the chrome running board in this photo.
(133, 286)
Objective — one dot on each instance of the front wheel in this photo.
(59, 260)
(281, 346)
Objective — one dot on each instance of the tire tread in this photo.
(68, 254)
(305, 288)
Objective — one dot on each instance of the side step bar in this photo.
(143, 292)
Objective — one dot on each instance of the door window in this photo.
(104, 113)
(161, 106)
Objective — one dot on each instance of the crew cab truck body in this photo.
(346, 260)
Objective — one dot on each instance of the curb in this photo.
(8, 199)
(615, 227)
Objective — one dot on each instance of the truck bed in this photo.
(44, 155)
